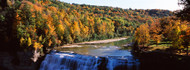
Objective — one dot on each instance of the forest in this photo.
(56, 35)
(41, 24)
(172, 30)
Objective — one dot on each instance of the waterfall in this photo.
(73, 61)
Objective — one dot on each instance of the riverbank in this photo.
(164, 49)
(93, 42)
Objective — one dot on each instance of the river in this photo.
(109, 56)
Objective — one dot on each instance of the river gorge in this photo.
(110, 56)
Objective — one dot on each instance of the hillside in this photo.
(37, 24)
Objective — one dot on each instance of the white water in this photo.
(72, 61)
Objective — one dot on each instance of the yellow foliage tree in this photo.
(37, 45)
(142, 34)
(22, 41)
(29, 41)
(75, 30)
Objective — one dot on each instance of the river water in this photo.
(110, 56)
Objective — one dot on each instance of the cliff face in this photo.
(18, 61)
(6, 3)
(3, 3)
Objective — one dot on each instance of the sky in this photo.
(134, 4)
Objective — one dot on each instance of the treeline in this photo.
(165, 29)
(174, 29)
(48, 23)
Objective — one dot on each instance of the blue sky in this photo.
(134, 4)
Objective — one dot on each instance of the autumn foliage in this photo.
(169, 29)
(39, 24)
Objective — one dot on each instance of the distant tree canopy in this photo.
(39, 24)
